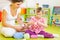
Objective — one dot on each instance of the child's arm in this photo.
(43, 24)
(31, 22)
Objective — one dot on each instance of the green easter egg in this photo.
(26, 36)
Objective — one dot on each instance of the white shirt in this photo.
(9, 18)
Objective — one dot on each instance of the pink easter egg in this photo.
(34, 36)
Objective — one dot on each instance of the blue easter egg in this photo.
(19, 35)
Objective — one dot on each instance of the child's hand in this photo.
(31, 23)
(39, 22)
(42, 24)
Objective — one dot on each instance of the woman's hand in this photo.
(18, 28)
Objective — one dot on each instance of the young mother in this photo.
(9, 15)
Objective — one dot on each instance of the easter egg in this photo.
(19, 35)
(26, 36)
(34, 36)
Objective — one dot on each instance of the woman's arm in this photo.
(19, 19)
(4, 14)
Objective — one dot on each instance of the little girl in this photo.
(37, 25)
